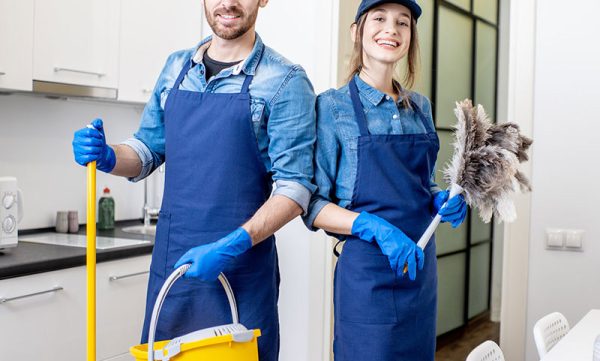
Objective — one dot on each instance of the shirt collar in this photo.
(248, 65)
(373, 95)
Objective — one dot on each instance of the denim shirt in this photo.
(336, 151)
(282, 106)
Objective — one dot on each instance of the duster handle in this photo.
(455, 190)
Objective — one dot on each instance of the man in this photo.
(227, 128)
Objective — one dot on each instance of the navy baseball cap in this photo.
(366, 5)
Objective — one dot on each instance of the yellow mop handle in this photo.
(91, 261)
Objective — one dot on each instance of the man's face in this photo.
(230, 19)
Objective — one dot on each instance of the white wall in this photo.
(565, 161)
(35, 147)
(515, 101)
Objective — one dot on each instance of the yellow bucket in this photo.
(231, 342)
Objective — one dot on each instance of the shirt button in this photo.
(387, 97)
(395, 116)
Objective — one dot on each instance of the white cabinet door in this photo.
(16, 44)
(150, 31)
(48, 326)
(77, 42)
(121, 300)
(52, 325)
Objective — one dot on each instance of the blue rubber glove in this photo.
(90, 145)
(396, 245)
(211, 259)
(455, 211)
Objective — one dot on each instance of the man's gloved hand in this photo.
(396, 245)
(90, 145)
(454, 211)
(211, 259)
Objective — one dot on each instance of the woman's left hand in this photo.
(454, 211)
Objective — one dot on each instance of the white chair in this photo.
(548, 331)
(487, 351)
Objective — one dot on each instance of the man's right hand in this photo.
(396, 245)
(89, 144)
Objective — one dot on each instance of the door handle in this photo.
(116, 278)
(59, 69)
(9, 299)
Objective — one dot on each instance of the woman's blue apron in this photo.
(379, 316)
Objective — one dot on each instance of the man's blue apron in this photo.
(379, 316)
(215, 181)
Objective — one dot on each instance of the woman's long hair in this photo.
(356, 61)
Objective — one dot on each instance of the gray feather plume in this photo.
(486, 160)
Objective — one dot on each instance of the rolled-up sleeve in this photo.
(291, 131)
(326, 157)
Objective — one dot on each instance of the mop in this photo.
(485, 165)
(91, 261)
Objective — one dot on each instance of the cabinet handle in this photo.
(53, 289)
(146, 90)
(57, 69)
(2, 73)
(116, 278)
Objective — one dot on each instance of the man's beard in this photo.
(246, 21)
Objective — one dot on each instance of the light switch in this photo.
(574, 239)
(554, 238)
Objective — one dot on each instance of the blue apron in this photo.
(215, 181)
(379, 316)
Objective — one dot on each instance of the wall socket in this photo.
(564, 239)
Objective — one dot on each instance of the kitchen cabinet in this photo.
(16, 44)
(150, 31)
(52, 325)
(77, 42)
(121, 303)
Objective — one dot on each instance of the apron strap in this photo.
(246, 85)
(422, 116)
(186, 67)
(358, 108)
(335, 248)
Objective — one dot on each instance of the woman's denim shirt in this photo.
(336, 155)
(282, 106)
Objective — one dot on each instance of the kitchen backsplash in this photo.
(35, 146)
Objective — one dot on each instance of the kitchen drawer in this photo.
(49, 326)
(54, 323)
(121, 300)
(123, 357)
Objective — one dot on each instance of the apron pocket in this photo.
(161, 244)
(365, 285)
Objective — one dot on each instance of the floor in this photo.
(457, 346)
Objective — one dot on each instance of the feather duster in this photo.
(485, 165)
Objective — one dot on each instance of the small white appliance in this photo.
(11, 211)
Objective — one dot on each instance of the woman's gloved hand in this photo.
(89, 144)
(211, 259)
(454, 211)
(396, 245)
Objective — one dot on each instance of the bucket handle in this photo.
(178, 273)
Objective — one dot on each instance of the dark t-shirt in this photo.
(213, 66)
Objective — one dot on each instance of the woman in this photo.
(375, 156)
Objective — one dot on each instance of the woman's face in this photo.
(386, 35)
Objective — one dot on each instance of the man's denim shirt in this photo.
(336, 154)
(282, 106)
